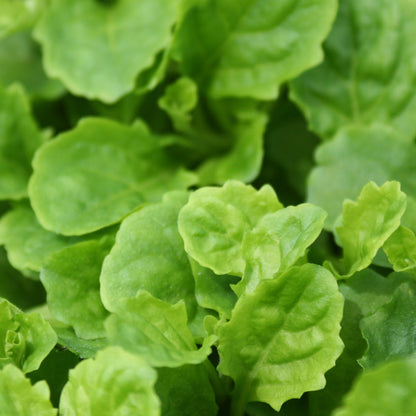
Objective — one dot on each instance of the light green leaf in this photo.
(19, 138)
(282, 338)
(95, 174)
(400, 249)
(194, 394)
(214, 221)
(25, 339)
(353, 158)
(28, 245)
(368, 73)
(179, 100)
(155, 330)
(390, 330)
(149, 254)
(367, 223)
(248, 48)
(21, 62)
(126, 386)
(389, 390)
(72, 281)
(89, 55)
(20, 398)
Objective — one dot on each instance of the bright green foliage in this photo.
(155, 330)
(401, 250)
(388, 390)
(248, 48)
(353, 158)
(19, 138)
(214, 221)
(193, 396)
(390, 330)
(282, 338)
(71, 279)
(125, 387)
(27, 243)
(20, 398)
(367, 223)
(367, 76)
(78, 51)
(94, 175)
(148, 254)
(25, 339)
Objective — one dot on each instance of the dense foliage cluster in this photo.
(207, 207)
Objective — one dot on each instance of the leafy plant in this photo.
(207, 208)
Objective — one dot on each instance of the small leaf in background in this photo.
(126, 386)
(89, 55)
(20, 398)
(390, 330)
(25, 339)
(213, 222)
(97, 173)
(400, 249)
(282, 338)
(249, 48)
(72, 281)
(155, 330)
(19, 139)
(368, 223)
(361, 82)
(28, 245)
(388, 390)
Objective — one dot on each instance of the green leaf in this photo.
(19, 138)
(390, 330)
(28, 245)
(213, 222)
(359, 83)
(72, 281)
(149, 255)
(400, 249)
(97, 173)
(126, 386)
(89, 55)
(155, 330)
(388, 390)
(20, 398)
(192, 396)
(18, 53)
(25, 339)
(282, 338)
(353, 158)
(248, 48)
(368, 223)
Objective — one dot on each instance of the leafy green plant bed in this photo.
(207, 208)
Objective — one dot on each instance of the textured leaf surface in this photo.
(401, 250)
(72, 281)
(282, 338)
(213, 222)
(28, 244)
(126, 386)
(353, 158)
(149, 254)
(89, 55)
(25, 339)
(368, 73)
(95, 174)
(250, 47)
(367, 223)
(390, 331)
(20, 398)
(155, 330)
(19, 138)
(389, 390)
